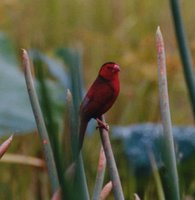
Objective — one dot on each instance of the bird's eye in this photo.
(109, 67)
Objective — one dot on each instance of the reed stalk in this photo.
(168, 152)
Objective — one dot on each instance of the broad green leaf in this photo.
(15, 110)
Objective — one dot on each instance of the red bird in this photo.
(100, 96)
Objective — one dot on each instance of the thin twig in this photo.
(40, 123)
(100, 175)
(112, 168)
(168, 152)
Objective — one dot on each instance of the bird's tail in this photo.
(82, 130)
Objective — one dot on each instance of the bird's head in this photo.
(109, 70)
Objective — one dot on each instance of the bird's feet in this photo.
(101, 124)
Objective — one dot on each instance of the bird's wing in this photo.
(98, 99)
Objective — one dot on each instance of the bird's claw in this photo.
(101, 124)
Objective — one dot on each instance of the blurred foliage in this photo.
(16, 113)
(141, 139)
(121, 31)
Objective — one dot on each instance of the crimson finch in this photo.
(100, 96)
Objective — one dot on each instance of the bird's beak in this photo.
(116, 68)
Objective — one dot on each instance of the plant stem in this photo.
(106, 191)
(185, 54)
(168, 153)
(51, 125)
(112, 168)
(40, 123)
(80, 177)
(100, 175)
(4, 147)
(156, 177)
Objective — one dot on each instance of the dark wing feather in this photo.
(98, 100)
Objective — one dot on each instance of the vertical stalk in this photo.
(185, 54)
(100, 175)
(156, 177)
(168, 153)
(40, 123)
(51, 127)
(112, 168)
(81, 189)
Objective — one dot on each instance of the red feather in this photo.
(100, 96)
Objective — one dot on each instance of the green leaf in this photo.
(72, 60)
(15, 110)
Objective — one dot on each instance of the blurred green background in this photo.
(120, 31)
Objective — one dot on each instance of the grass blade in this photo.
(40, 123)
(156, 177)
(185, 54)
(168, 153)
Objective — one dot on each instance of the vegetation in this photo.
(68, 41)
